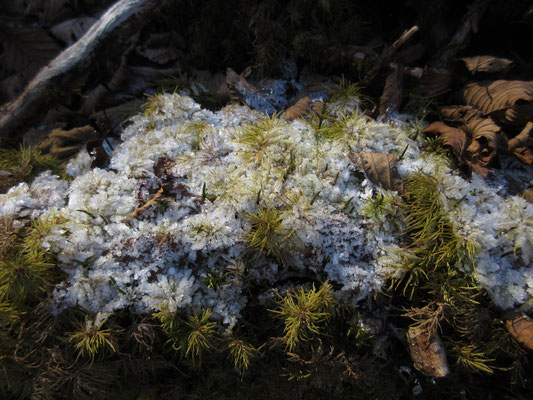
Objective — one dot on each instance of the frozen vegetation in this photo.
(250, 199)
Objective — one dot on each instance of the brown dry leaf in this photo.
(491, 96)
(427, 352)
(380, 169)
(487, 64)
(298, 109)
(144, 207)
(459, 114)
(487, 140)
(523, 139)
(25, 49)
(516, 116)
(522, 145)
(453, 138)
(99, 156)
(435, 82)
(317, 107)
(520, 326)
(391, 99)
(71, 30)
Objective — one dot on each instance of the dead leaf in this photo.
(71, 30)
(380, 169)
(435, 82)
(486, 64)
(454, 138)
(427, 352)
(144, 207)
(459, 114)
(298, 109)
(520, 326)
(391, 99)
(487, 140)
(523, 139)
(491, 96)
(99, 156)
(516, 116)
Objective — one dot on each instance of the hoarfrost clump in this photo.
(197, 206)
(25, 200)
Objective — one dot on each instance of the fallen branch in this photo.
(110, 35)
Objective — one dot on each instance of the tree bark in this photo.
(104, 42)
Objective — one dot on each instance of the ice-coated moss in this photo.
(217, 170)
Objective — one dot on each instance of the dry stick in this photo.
(63, 75)
(144, 207)
(387, 54)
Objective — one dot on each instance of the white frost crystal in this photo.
(182, 251)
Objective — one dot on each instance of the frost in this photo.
(189, 250)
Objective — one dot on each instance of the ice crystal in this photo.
(216, 169)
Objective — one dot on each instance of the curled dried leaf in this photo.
(427, 352)
(459, 114)
(435, 82)
(522, 145)
(454, 138)
(487, 140)
(380, 169)
(516, 116)
(491, 96)
(298, 109)
(486, 64)
(520, 326)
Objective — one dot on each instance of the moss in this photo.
(24, 163)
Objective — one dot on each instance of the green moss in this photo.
(24, 164)
(303, 312)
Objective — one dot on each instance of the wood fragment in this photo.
(144, 207)
(64, 74)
